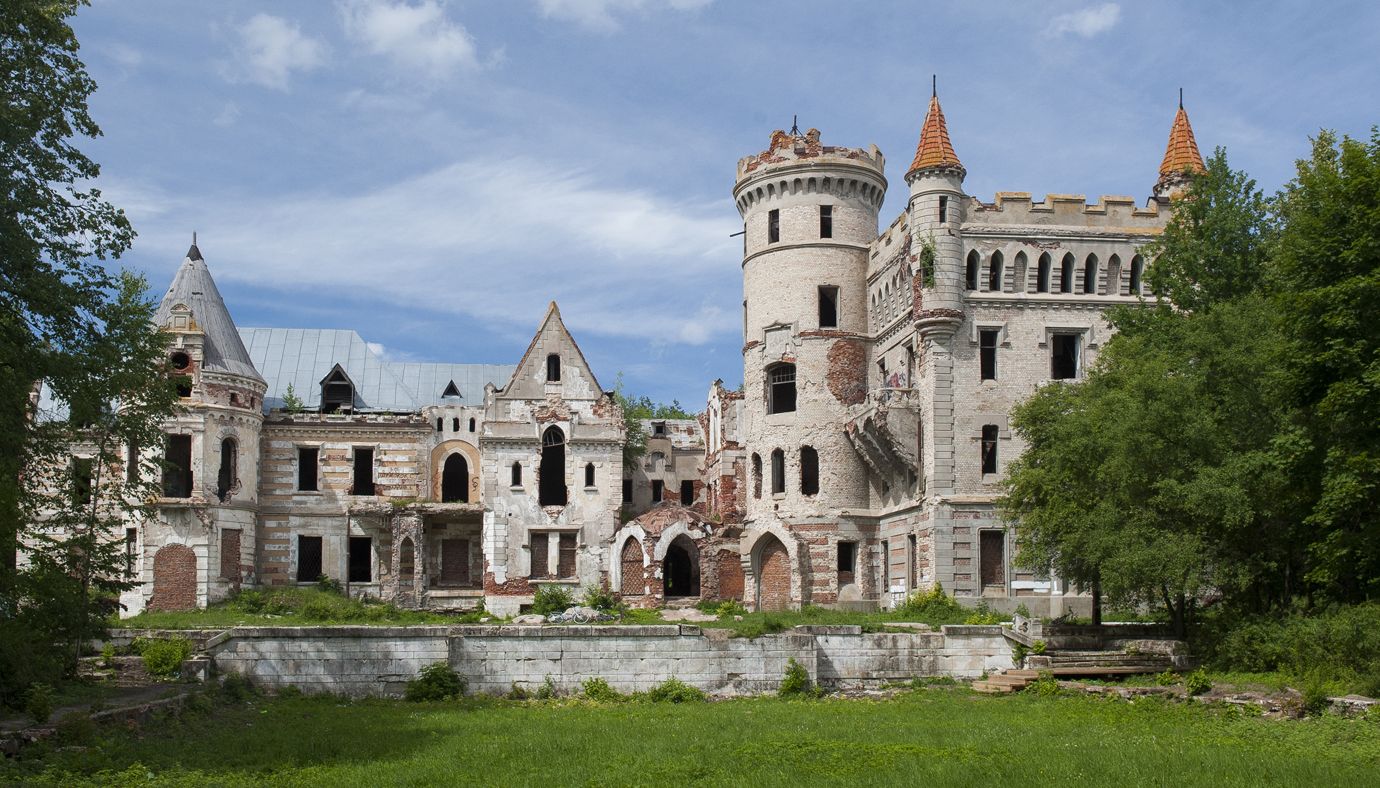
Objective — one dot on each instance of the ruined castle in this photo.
(861, 460)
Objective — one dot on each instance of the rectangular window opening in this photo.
(987, 351)
(989, 449)
(361, 559)
(943, 209)
(627, 491)
(847, 562)
(177, 474)
(658, 490)
(773, 226)
(308, 559)
(992, 557)
(1064, 356)
(131, 550)
(687, 492)
(828, 307)
(540, 559)
(307, 461)
(364, 471)
(826, 221)
(565, 556)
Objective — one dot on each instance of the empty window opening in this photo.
(826, 221)
(886, 565)
(1090, 274)
(809, 470)
(307, 459)
(455, 480)
(471, 425)
(627, 491)
(131, 550)
(229, 462)
(847, 562)
(1066, 274)
(337, 391)
(943, 209)
(773, 226)
(994, 273)
(828, 307)
(440, 424)
(1064, 356)
(687, 492)
(132, 462)
(553, 368)
(658, 490)
(989, 448)
(180, 360)
(781, 388)
(541, 561)
(992, 557)
(658, 429)
(451, 390)
(589, 474)
(1137, 268)
(184, 386)
(911, 549)
(552, 471)
(516, 480)
(1042, 277)
(778, 472)
(308, 559)
(565, 555)
(970, 280)
(361, 559)
(681, 568)
(364, 471)
(756, 476)
(81, 479)
(455, 424)
(177, 471)
(987, 353)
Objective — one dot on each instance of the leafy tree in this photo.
(635, 410)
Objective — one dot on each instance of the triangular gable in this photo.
(553, 330)
(451, 390)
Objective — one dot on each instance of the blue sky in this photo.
(432, 173)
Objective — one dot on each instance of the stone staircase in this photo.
(1074, 665)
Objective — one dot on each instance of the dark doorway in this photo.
(455, 480)
(177, 471)
(552, 473)
(361, 559)
(455, 562)
(308, 559)
(681, 569)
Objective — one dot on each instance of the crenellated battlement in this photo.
(788, 149)
(1108, 212)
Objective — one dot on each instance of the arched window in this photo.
(1042, 277)
(455, 424)
(756, 475)
(809, 470)
(1113, 276)
(1137, 268)
(553, 368)
(994, 273)
(471, 424)
(1090, 274)
(517, 474)
(970, 281)
(778, 471)
(781, 388)
(1019, 282)
(455, 480)
(229, 468)
(551, 475)
(1066, 274)
(589, 474)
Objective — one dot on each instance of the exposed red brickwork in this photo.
(631, 581)
(518, 586)
(730, 575)
(230, 555)
(773, 575)
(174, 578)
(847, 375)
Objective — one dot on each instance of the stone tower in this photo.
(809, 213)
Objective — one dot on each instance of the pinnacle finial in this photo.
(1181, 98)
(934, 86)
(193, 237)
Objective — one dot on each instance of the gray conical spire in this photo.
(194, 287)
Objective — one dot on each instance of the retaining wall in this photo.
(380, 660)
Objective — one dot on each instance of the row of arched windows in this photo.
(809, 472)
(1071, 277)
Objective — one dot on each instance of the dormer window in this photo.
(658, 429)
(451, 390)
(337, 391)
(553, 368)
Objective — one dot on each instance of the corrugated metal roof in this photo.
(303, 356)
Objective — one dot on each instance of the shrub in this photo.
(235, 687)
(796, 682)
(674, 690)
(1022, 610)
(933, 606)
(1315, 697)
(1046, 686)
(436, 681)
(1038, 647)
(551, 599)
(108, 655)
(599, 691)
(983, 615)
(38, 704)
(1340, 644)
(1197, 683)
(1167, 679)
(290, 691)
(75, 729)
(547, 690)
(516, 692)
(729, 608)
(1018, 654)
(328, 584)
(601, 598)
(164, 658)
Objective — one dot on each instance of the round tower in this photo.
(936, 217)
(809, 213)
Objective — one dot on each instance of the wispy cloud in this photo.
(1087, 22)
(269, 49)
(417, 38)
(602, 15)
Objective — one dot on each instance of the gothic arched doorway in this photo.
(630, 579)
(455, 480)
(773, 575)
(680, 569)
(552, 473)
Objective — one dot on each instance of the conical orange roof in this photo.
(934, 149)
(1182, 152)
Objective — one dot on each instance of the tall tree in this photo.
(54, 229)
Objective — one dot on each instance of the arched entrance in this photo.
(680, 569)
(552, 473)
(174, 578)
(630, 578)
(773, 575)
(455, 480)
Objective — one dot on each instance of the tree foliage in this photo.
(637, 409)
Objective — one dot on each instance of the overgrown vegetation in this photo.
(163, 657)
(635, 410)
(1338, 646)
(796, 683)
(437, 681)
(295, 606)
(673, 690)
(550, 599)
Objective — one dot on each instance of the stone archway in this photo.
(631, 581)
(772, 570)
(680, 569)
(174, 578)
(455, 479)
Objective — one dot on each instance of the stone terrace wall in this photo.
(379, 660)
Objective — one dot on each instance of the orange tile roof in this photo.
(1182, 152)
(934, 149)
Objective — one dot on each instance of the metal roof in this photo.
(194, 288)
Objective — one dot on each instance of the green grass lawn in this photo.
(936, 736)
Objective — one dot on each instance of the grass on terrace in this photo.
(932, 736)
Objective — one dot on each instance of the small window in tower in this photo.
(970, 280)
(553, 368)
(589, 474)
(781, 388)
(778, 472)
(1064, 356)
(180, 360)
(687, 492)
(455, 424)
(516, 475)
(306, 468)
(229, 468)
(1042, 278)
(177, 468)
(994, 273)
(451, 390)
(1090, 274)
(809, 471)
(658, 429)
(773, 226)
(471, 425)
(828, 307)
(987, 352)
(1066, 274)
(756, 476)
(943, 209)
(440, 424)
(132, 462)
(1137, 268)
(364, 471)
(658, 490)
(826, 221)
(989, 449)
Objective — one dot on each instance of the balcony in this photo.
(885, 431)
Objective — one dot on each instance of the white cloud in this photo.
(1087, 22)
(269, 49)
(491, 239)
(417, 38)
(601, 15)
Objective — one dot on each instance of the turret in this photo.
(936, 212)
(1181, 157)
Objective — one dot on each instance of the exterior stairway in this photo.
(1074, 664)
